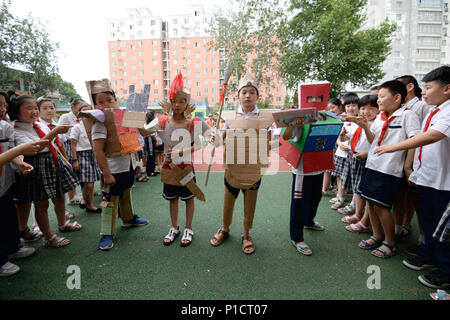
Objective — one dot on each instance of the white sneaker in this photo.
(22, 253)
(8, 269)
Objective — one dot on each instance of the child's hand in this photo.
(360, 121)
(361, 155)
(166, 106)
(31, 148)
(25, 168)
(298, 122)
(63, 128)
(109, 180)
(387, 148)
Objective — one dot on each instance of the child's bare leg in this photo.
(174, 212)
(365, 220)
(326, 181)
(88, 195)
(41, 212)
(360, 205)
(387, 222)
(59, 205)
(375, 223)
(23, 213)
(189, 213)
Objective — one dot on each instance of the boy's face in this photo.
(351, 109)
(3, 106)
(334, 108)
(47, 111)
(179, 105)
(247, 97)
(314, 99)
(388, 102)
(368, 112)
(105, 100)
(28, 111)
(435, 94)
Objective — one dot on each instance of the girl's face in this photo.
(3, 106)
(368, 112)
(387, 102)
(351, 109)
(76, 107)
(47, 111)
(179, 105)
(28, 111)
(105, 100)
(247, 97)
(334, 108)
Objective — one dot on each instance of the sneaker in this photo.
(22, 253)
(419, 263)
(106, 243)
(414, 250)
(435, 280)
(136, 222)
(338, 204)
(8, 269)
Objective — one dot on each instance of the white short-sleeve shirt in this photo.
(6, 141)
(363, 144)
(339, 152)
(116, 164)
(24, 132)
(70, 119)
(79, 133)
(404, 126)
(434, 171)
(419, 107)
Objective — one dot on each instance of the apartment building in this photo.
(148, 49)
(421, 42)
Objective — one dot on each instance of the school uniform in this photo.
(342, 161)
(71, 119)
(384, 173)
(51, 177)
(9, 228)
(419, 107)
(305, 196)
(89, 170)
(432, 175)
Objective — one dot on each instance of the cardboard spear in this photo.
(227, 75)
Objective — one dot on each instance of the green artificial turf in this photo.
(141, 267)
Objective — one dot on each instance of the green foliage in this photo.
(324, 40)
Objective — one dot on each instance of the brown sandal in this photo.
(220, 237)
(247, 243)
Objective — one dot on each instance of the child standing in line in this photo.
(432, 175)
(359, 145)
(84, 164)
(52, 176)
(342, 163)
(383, 175)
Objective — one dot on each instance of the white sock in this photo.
(421, 239)
(352, 204)
(398, 229)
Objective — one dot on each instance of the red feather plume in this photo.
(176, 86)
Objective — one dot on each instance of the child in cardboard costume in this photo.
(114, 148)
(248, 121)
(308, 148)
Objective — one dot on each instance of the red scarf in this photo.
(41, 134)
(427, 124)
(385, 126)
(355, 139)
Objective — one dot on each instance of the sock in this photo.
(421, 239)
(341, 199)
(352, 204)
(398, 229)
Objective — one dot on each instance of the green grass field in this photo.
(140, 267)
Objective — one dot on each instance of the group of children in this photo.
(392, 151)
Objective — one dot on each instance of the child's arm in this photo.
(419, 140)
(76, 163)
(297, 122)
(361, 155)
(28, 149)
(408, 166)
(98, 146)
(363, 123)
(57, 130)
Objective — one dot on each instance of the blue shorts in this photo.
(379, 188)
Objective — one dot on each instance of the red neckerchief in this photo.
(385, 126)
(41, 134)
(356, 137)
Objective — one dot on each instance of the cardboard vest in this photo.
(247, 147)
(316, 145)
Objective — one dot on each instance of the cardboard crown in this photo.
(247, 81)
(98, 86)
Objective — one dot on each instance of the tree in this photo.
(325, 40)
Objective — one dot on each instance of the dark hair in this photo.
(94, 95)
(4, 94)
(14, 105)
(350, 98)
(370, 99)
(407, 79)
(441, 75)
(375, 88)
(395, 87)
(85, 105)
(41, 100)
(75, 101)
(335, 101)
(149, 116)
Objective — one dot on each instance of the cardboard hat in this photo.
(248, 81)
(176, 89)
(306, 91)
(98, 86)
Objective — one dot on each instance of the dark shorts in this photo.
(124, 181)
(379, 188)
(171, 192)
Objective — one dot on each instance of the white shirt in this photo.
(363, 144)
(6, 141)
(339, 152)
(296, 135)
(240, 111)
(24, 132)
(419, 107)
(70, 119)
(116, 164)
(404, 126)
(62, 137)
(435, 169)
(79, 133)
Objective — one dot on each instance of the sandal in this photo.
(333, 200)
(220, 237)
(349, 209)
(304, 248)
(37, 230)
(406, 231)
(315, 227)
(70, 215)
(351, 219)
(188, 234)
(380, 253)
(33, 237)
(173, 233)
(141, 178)
(357, 228)
(69, 227)
(338, 204)
(247, 243)
(59, 243)
(367, 246)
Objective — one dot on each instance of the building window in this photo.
(113, 54)
(154, 52)
(198, 84)
(141, 72)
(141, 53)
(155, 91)
(123, 44)
(133, 67)
(133, 57)
(124, 54)
(113, 63)
(155, 81)
(114, 73)
(155, 72)
(140, 43)
(141, 63)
